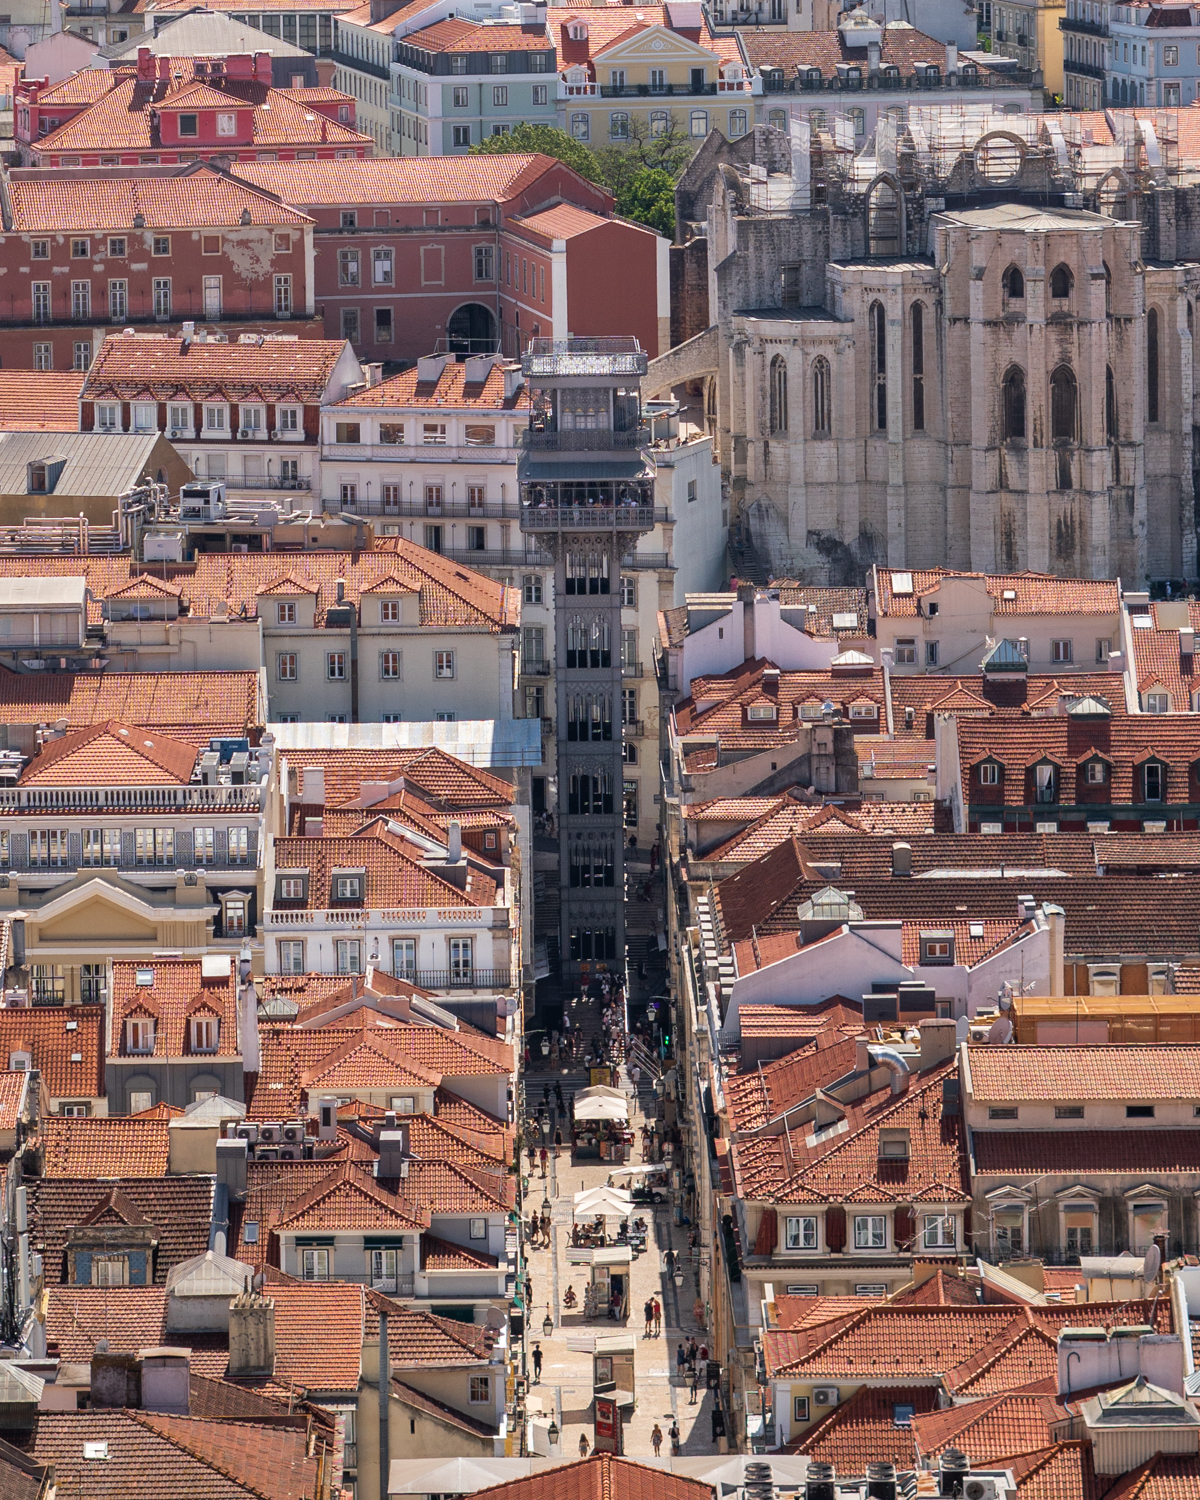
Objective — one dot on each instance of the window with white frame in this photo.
(140, 1099)
(50, 847)
(239, 846)
(349, 956)
(381, 266)
(1062, 651)
(154, 846)
(139, 1034)
(145, 416)
(287, 419)
(110, 1270)
(101, 846)
(285, 666)
(939, 1232)
(205, 1032)
(389, 666)
(216, 419)
(800, 1233)
(461, 959)
(314, 1264)
(906, 651)
(404, 958)
(383, 1270)
(335, 666)
(291, 955)
(179, 419)
(443, 664)
(108, 417)
(870, 1232)
(1158, 703)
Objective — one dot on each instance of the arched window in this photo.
(1013, 414)
(879, 364)
(1014, 284)
(1060, 283)
(1152, 365)
(1063, 406)
(779, 396)
(918, 366)
(1107, 291)
(821, 396)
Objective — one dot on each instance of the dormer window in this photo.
(989, 773)
(1154, 781)
(348, 887)
(937, 947)
(578, 31)
(205, 1032)
(1158, 703)
(893, 1145)
(761, 711)
(20, 1062)
(1095, 773)
(108, 417)
(139, 1034)
(285, 612)
(864, 711)
(291, 887)
(1045, 778)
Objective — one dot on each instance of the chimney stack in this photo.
(453, 841)
(251, 1335)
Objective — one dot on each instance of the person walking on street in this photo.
(691, 1354)
(657, 1318)
(537, 1364)
(673, 1434)
(692, 1397)
(545, 1229)
(656, 1439)
(648, 1310)
(545, 1160)
(583, 1445)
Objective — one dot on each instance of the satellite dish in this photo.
(999, 1031)
(1151, 1263)
(1006, 1002)
(962, 1029)
(495, 1318)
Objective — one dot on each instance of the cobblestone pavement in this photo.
(566, 1384)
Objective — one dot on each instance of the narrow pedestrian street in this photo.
(663, 1396)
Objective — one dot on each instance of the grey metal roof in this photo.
(203, 33)
(28, 593)
(479, 742)
(97, 463)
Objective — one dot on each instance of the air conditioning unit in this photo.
(181, 432)
(270, 1135)
(825, 1395)
(266, 1153)
(247, 432)
(293, 1133)
(291, 1153)
(981, 1489)
(246, 1133)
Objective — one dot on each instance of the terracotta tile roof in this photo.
(562, 222)
(1002, 1152)
(450, 390)
(121, 120)
(1012, 1074)
(267, 1459)
(441, 1139)
(136, 1319)
(834, 1015)
(1035, 593)
(105, 1146)
(443, 1415)
(823, 604)
(721, 704)
(601, 1477)
(12, 1092)
(270, 1186)
(1063, 1472)
(748, 898)
(71, 1062)
(435, 774)
(111, 754)
(1015, 1422)
(925, 1343)
(739, 809)
(21, 1478)
(417, 1338)
(179, 1209)
(452, 596)
(942, 1289)
(200, 198)
(790, 51)
(84, 87)
(452, 1189)
(192, 706)
(1018, 1355)
(1167, 1476)
(1147, 851)
(450, 179)
(754, 1099)
(366, 1061)
(178, 993)
(795, 819)
(394, 876)
(973, 940)
(792, 1312)
(145, 1454)
(607, 27)
(345, 1200)
(1158, 661)
(864, 1429)
(459, 35)
(39, 401)
(154, 366)
(845, 1167)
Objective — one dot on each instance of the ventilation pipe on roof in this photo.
(889, 1058)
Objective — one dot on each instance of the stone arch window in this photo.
(779, 394)
(917, 315)
(1111, 432)
(1061, 282)
(1014, 285)
(1013, 405)
(884, 218)
(821, 379)
(1064, 421)
(1152, 363)
(878, 325)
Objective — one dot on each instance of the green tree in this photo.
(649, 198)
(666, 148)
(528, 136)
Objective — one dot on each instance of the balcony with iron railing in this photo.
(631, 669)
(581, 440)
(591, 517)
(1086, 28)
(537, 666)
(425, 510)
(613, 357)
(1084, 69)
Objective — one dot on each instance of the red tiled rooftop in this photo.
(864, 1429)
(1035, 593)
(1012, 1074)
(450, 390)
(39, 400)
(394, 877)
(198, 198)
(188, 705)
(601, 1477)
(105, 1146)
(71, 1061)
(178, 994)
(111, 754)
(158, 367)
(396, 180)
(1016, 1422)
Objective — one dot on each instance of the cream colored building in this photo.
(1030, 34)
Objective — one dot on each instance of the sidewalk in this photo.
(566, 1387)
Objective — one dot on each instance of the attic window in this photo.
(864, 711)
(1009, 596)
(95, 1450)
(144, 977)
(250, 1232)
(845, 621)
(761, 711)
(902, 585)
(937, 947)
(893, 1145)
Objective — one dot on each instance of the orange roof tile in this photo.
(66, 1046)
(456, 34)
(864, 1430)
(450, 390)
(416, 1337)
(1158, 660)
(1012, 1074)
(394, 877)
(12, 1093)
(199, 198)
(601, 1477)
(443, 179)
(39, 401)
(111, 754)
(1014, 1422)
(441, 777)
(105, 1146)
(178, 993)
(346, 1199)
(1035, 593)
(1164, 1477)
(192, 706)
(562, 222)
(154, 366)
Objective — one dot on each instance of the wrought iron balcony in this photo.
(577, 440)
(591, 517)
